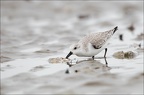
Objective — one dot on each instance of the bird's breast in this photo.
(89, 53)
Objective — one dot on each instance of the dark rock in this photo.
(67, 71)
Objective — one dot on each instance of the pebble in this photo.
(124, 55)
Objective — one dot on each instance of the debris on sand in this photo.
(84, 16)
(37, 68)
(67, 71)
(124, 55)
(131, 28)
(58, 60)
(140, 37)
(121, 37)
(76, 71)
(44, 51)
(4, 59)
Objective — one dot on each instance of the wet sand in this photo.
(32, 32)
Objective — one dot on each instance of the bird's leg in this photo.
(105, 52)
(93, 57)
(106, 62)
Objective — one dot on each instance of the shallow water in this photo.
(34, 31)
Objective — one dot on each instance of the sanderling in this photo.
(92, 44)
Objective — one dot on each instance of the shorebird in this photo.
(92, 44)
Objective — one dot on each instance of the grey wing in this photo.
(99, 39)
(96, 39)
(97, 44)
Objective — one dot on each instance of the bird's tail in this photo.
(115, 29)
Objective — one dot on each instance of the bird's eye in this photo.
(75, 48)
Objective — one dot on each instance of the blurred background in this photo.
(34, 31)
(34, 28)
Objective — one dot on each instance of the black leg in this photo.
(106, 62)
(93, 57)
(105, 52)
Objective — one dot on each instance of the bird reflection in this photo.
(89, 66)
(106, 63)
(70, 64)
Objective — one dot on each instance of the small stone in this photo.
(131, 28)
(58, 60)
(67, 71)
(83, 16)
(129, 55)
(119, 55)
(76, 71)
(139, 45)
(121, 37)
(124, 55)
(96, 67)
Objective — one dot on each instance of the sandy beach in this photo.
(34, 34)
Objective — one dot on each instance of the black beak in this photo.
(70, 53)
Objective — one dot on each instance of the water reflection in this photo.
(70, 64)
(89, 66)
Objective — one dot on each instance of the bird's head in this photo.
(74, 49)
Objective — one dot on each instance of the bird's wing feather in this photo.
(96, 39)
(100, 41)
(97, 44)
